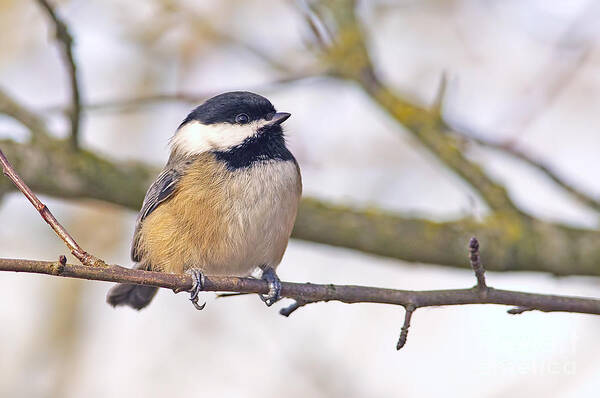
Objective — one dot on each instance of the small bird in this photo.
(225, 203)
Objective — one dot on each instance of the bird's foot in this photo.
(272, 279)
(197, 287)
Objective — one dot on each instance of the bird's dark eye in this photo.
(242, 118)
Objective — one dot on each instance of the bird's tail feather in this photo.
(134, 296)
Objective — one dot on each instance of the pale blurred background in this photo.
(527, 71)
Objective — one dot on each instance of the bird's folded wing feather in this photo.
(161, 190)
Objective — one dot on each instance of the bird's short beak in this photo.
(280, 117)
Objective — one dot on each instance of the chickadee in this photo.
(225, 203)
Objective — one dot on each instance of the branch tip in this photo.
(322, 36)
(519, 310)
(59, 267)
(287, 311)
(440, 95)
(475, 261)
(409, 309)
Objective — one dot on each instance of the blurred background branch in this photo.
(512, 149)
(65, 39)
(348, 58)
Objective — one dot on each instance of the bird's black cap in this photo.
(224, 108)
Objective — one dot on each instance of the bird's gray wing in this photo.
(161, 190)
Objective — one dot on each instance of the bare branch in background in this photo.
(567, 58)
(129, 104)
(437, 107)
(66, 40)
(511, 148)
(348, 58)
(319, 31)
(409, 310)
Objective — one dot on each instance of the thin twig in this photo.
(287, 311)
(519, 310)
(440, 96)
(66, 40)
(128, 104)
(475, 261)
(320, 32)
(62, 233)
(409, 310)
(509, 148)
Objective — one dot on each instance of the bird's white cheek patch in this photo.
(195, 137)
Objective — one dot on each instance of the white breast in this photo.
(264, 200)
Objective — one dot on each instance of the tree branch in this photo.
(409, 310)
(66, 40)
(78, 174)
(303, 293)
(475, 260)
(348, 58)
(310, 292)
(514, 151)
(126, 104)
